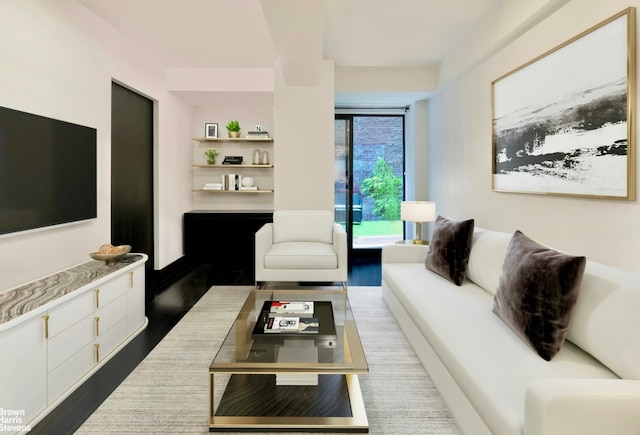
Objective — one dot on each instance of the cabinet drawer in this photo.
(111, 290)
(111, 339)
(70, 312)
(70, 341)
(110, 315)
(68, 373)
(135, 295)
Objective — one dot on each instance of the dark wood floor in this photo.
(164, 311)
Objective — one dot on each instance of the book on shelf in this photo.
(232, 160)
(249, 188)
(289, 324)
(293, 308)
(258, 134)
(231, 181)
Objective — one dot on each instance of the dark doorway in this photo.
(132, 173)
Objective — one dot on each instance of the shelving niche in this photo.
(205, 173)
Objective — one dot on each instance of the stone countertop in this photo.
(21, 300)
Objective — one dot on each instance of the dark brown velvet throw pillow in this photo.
(450, 248)
(537, 292)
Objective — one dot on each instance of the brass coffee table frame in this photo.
(349, 361)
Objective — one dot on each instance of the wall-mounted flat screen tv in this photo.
(48, 171)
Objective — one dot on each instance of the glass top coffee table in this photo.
(290, 380)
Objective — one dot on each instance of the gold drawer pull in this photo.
(97, 319)
(97, 346)
(97, 291)
(46, 326)
(130, 280)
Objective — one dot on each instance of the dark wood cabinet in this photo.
(226, 241)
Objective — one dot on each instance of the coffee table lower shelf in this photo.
(253, 402)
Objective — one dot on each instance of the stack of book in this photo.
(258, 134)
(213, 186)
(232, 160)
(291, 317)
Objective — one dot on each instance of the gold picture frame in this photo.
(564, 123)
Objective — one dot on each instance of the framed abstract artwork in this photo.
(564, 123)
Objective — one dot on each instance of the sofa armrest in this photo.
(340, 246)
(263, 242)
(404, 253)
(582, 406)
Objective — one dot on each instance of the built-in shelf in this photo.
(233, 139)
(204, 173)
(233, 166)
(233, 191)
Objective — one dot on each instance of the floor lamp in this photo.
(418, 212)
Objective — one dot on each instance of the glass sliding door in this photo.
(369, 182)
(342, 177)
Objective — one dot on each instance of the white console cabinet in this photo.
(56, 332)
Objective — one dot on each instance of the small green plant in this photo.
(233, 126)
(211, 154)
(386, 190)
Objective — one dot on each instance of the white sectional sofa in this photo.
(492, 381)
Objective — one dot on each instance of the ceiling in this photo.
(256, 33)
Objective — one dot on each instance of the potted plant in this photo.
(211, 154)
(233, 127)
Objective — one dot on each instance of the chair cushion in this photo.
(301, 255)
(302, 226)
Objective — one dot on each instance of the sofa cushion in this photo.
(302, 226)
(606, 318)
(449, 248)
(488, 249)
(490, 363)
(537, 293)
(301, 255)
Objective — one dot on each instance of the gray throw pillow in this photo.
(449, 248)
(537, 292)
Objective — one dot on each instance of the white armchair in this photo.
(302, 246)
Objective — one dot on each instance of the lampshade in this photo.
(418, 211)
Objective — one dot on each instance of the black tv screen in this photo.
(48, 171)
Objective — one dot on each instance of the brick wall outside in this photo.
(374, 137)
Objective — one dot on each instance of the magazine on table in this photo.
(293, 308)
(290, 324)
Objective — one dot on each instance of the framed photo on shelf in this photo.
(561, 122)
(210, 130)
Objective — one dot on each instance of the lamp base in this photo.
(419, 242)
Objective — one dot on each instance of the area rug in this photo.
(168, 392)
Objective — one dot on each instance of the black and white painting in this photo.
(560, 122)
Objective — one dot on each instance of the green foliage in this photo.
(233, 126)
(385, 189)
(211, 154)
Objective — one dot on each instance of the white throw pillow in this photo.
(606, 318)
(488, 249)
(302, 226)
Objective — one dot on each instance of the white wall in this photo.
(304, 122)
(459, 162)
(58, 60)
